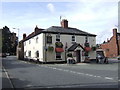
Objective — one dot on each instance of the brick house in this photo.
(111, 48)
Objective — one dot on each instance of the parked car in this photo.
(2, 54)
(118, 57)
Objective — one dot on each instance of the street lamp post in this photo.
(18, 48)
(18, 34)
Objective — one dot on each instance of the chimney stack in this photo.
(24, 35)
(36, 29)
(114, 32)
(64, 23)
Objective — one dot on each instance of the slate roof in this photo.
(61, 30)
(69, 30)
(74, 46)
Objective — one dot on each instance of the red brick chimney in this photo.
(24, 35)
(36, 29)
(64, 23)
(114, 32)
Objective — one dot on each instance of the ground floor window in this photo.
(37, 54)
(58, 55)
(25, 53)
(29, 53)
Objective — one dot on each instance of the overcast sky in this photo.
(96, 16)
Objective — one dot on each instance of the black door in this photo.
(78, 54)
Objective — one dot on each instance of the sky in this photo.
(94, 16)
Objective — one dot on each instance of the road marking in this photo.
(109, 78)
(7, 75)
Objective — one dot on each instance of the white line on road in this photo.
(8, 77)
(65, 70)
(109, 78)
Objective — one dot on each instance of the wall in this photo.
(110, 48)
(33, 47)
(68, 39)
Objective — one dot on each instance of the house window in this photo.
(37, 53)
(29, 41)
(29, 53)
(37, 40)
(24, 43)
(25, 53)
(58, 55)
(86, 39)
(73, 38)
(58, 37)
(49, 39)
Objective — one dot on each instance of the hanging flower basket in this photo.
(93, 48)
(87, 49)
(50, 48)
(59, 45)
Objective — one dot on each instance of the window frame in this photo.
(49, 39)
(58, 57)
(58, 37)
(37, 54)
(36, 39)
(29, 41)
(29, 53)
(73, 38)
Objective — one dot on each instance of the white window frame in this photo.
(36, 39)
(58, 37)
(60, 56)
(73, 38)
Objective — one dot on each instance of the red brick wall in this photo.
(111, 48)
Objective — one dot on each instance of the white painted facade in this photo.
(48, 56)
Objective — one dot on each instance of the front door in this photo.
(78, 56)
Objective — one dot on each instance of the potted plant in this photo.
(50, 48)
(93, 48)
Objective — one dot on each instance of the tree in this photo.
(9, 41)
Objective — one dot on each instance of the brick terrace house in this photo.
(111, 48)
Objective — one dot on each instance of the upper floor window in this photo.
(49, 39)
(29, 41)
(58, 37)
(36, 39)
(73, 38)
(86, 39)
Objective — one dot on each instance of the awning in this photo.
(59, 50)
(87, 49)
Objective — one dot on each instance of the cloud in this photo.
(51, 7)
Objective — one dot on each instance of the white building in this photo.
(54, 43)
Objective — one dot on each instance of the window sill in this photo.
(58, 58)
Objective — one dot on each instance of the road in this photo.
(22, 74)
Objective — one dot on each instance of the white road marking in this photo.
(7, 75)
(109, 78)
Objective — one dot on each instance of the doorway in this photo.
(78, 56)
